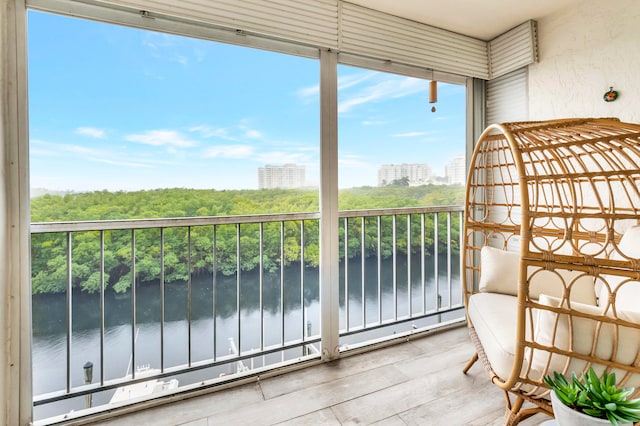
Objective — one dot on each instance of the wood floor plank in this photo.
(459, 407)
(199, 422)
(390, 421)
(419, 382)
(424, 387)
(323, 417)
(318, 397)
(192, 409)
(350, 365)
(456, 357)
(438, 342)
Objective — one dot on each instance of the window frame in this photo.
(328, 58)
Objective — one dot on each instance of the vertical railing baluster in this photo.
(379, 235)
(69, 318)
(214, 294)
(422, 265)
(346, 273)
(162, 278)
(282, 336)
(449, 276)
(436, 272)
(238, 285)
(189, 294)
(395, 266)
(302, 311)
(460, 246)
(362, 274)
(366, 221)
(261, 284)
(133, 304)
(409, 289)
(102, 308)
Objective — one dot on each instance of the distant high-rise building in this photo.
(284, 177)
(416, 174)
(456, 171)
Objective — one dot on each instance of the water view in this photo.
(219, 335)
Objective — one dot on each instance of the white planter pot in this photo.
(566, 416)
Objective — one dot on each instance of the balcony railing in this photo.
(202, 300)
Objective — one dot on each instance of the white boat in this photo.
(145, 388)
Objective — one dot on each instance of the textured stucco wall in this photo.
(584, 50)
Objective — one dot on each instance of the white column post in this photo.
(329, 261)
(15, 288)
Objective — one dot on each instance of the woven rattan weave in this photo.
(560, 194)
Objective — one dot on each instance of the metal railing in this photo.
(406, 265)
(422, 280)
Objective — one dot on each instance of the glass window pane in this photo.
(123, 109)
(389, 139)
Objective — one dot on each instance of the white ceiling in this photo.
(483, 19)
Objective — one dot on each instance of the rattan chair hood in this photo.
(551, 254)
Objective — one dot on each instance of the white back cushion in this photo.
(627, 291)
(499, 271)
(612, 342)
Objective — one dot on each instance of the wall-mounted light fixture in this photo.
(611, 95)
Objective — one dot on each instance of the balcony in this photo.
(230, 321)
(418, 382)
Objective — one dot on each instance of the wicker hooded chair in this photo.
(552, 255)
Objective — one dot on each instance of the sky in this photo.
(116, 108)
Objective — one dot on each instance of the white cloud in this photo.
(91, 131)
(57, 149)
(309, 93)
(386, 88)
(120, 163)
(409, 134)
(167, 47)
(49, 149)
(212, 132)
(156, 41)
(161, 138)
(242, 130)
(249, 132)
(229, 151)
(348, 81)
(253, 134)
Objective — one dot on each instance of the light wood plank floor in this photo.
(419, 382)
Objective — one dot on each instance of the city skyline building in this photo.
(421, 173)
(455, 170)
(417, 174)
(286, 176)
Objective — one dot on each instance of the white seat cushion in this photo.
(493, 316)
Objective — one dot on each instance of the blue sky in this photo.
(119, 108)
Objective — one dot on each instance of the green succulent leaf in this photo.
(611, 406)
(597, 396)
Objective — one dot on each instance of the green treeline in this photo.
(203, 249)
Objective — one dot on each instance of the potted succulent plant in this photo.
(592, 400)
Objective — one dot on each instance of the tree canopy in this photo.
(201, 249)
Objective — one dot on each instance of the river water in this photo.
(49, 345)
